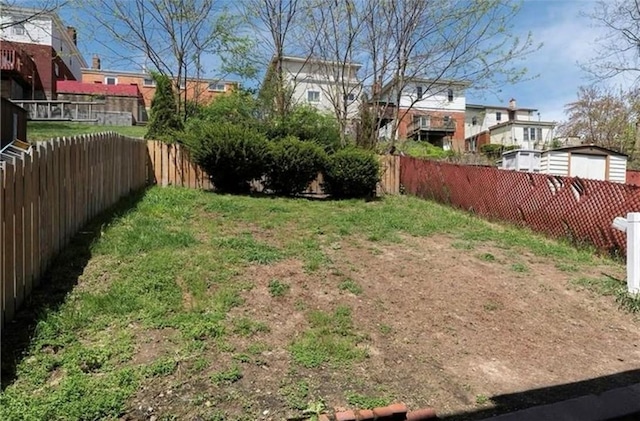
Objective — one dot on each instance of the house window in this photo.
(349, 98)
(533, 133)
(18, 29)
(474, 121)
(450, 95)
(148, 82)
(110, 80)
(183, 84)
(498, 116)
(539, 133)
(313, 96)
(217, 87)
(419, 92)
(525, 134)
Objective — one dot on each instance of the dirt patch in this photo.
(443, 327)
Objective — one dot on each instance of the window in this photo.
(539, 133)
(217, 87)
(450, 95)
(498, 116)
(148, 81)
(419, 92)
(313, 96)
(533, 133)
(349, 98)
(526, 134)
(474, 120)
(111, 80)
(18, 29)
(183, 84)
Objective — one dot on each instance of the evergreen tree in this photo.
(164, 111)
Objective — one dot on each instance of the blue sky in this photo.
(567, 35)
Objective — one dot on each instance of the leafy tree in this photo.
(164, 121)
(238, 107)
(307, 124)
(604, 117)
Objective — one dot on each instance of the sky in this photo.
(554, 74)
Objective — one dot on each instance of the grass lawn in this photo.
(193, 305)
(44, 130)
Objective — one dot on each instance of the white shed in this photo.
(521, 160)
(585, 161)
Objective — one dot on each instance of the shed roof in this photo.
(599, 150)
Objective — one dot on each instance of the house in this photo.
(201, 91)
(36, 50)
(330, 87)
(427, 109)
(510, 125)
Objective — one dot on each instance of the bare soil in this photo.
(444, 327)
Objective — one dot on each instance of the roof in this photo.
(500, 107)
(304, 60)
(76, 87)
(147, 75)
(588, 148)
(527, 123)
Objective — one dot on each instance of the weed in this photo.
(277, 288)
(350, 285)
(315, 409)
(161, 367)
(463, 245)
(566, 267)
(247, 327)
(296, 395)
(229, 376)
(519, 267)
(487, 257)
(366, 402)
(492, 306)
(482, 400)
(385, 329)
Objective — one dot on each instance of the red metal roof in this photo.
(76, 87)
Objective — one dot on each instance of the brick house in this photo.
(36, 53)
(429, 110)
(201, 91)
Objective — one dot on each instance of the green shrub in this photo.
(307, 124)
(494, 150)
(352, 172)
(164, 119)
(232, 155)
(292, 165)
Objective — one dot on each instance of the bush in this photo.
(292, 165)
(232, 155)
(494, 150)
(164, 121)
(307, 124)
(352, 172)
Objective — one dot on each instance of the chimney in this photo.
(512, 104)
(95, 62)
(73, 34)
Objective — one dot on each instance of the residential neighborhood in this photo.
(319, 210)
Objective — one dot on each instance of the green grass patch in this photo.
(296, 395)
(231, 375)
(45, 130)
(350, 285)
(244, 326)
(277, 288)
(360, 401)
(330, 339)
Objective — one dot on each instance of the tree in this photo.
(604, 117)
(618, 50)
(174, 35)
(164, 121)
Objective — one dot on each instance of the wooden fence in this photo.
(48, 195)
(172, 166)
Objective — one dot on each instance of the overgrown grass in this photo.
(44, 130)
(175, 265)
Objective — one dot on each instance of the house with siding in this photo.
(508, 126)
(428, 110)
(36, 50)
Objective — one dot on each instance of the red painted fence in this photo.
(563, 207)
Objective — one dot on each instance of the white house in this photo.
(428, 109)
(34, 27)
(325, 85)
(507, 126)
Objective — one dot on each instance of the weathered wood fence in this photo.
(172, 166)
(48, 195)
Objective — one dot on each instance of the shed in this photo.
(521, 160)
(585, 161)
(13, 123)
